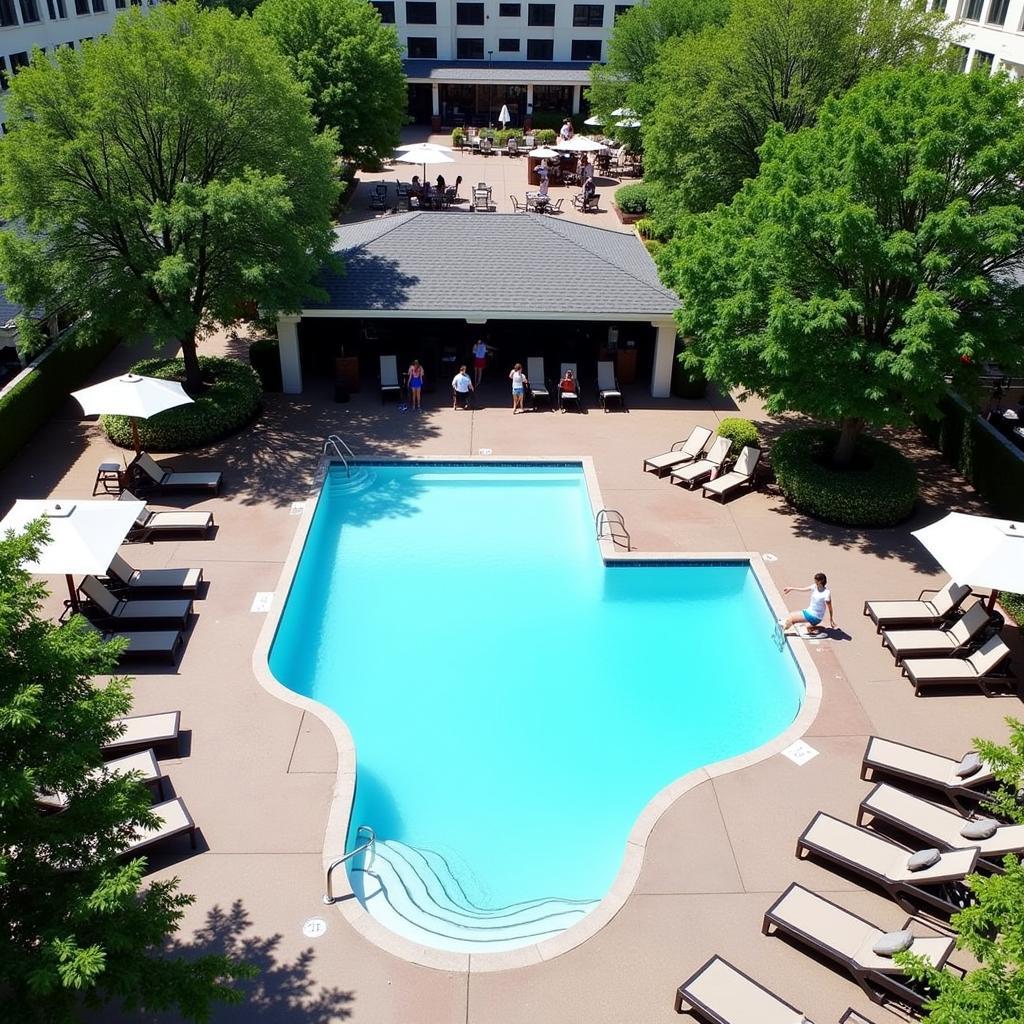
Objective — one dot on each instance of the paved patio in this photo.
(258, 774)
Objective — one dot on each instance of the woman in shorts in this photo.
(519, 382)
(415, 379)
(820, 602)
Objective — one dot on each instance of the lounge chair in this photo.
(919, 612)
(148, 522)
(976, 668)
(834, 932)
(147, 643)
(698, 471)
(144, 763)
(159, 730)
(723, 994)
(681, 452)
(741, 475)
(538, 385)
(887, 758)
(608, 386)
(166, 480)
(389, 385)
(569, 396)
(883, 862)
(175, 611)
(186, 580)
(173, 820)
(937, 642)
(936, 825)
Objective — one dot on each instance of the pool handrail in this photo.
(612, 518)
(329, 898)
(337, 443)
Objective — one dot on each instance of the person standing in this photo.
(414, 378)
(820, 602)
(586, 170)
(479, 360)
(566, 131)
(461, 386)
(519, 383)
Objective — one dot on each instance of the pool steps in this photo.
(415, 893)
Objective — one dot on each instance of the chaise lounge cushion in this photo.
(893, 942)
(983, 828)
(970, 764)
(923, 859)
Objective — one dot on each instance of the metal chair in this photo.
(518, 207)
(512, 147)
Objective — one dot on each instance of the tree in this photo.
(76, 926)
(992, 930)
(350, 66)
(773, 62)
(1007, 763)
(166, 174)
(871, 258)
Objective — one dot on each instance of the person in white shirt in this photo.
(519, 383)
(462, 387)
(566, 132)
(821, 600)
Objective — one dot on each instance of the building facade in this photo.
(992, 33)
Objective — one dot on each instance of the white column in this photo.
(576, 89)
(529, 99)
(435, 99)
(664, 349)
(288, 341)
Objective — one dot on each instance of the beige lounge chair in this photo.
(163, 643)
(175, 611)
(608, 386)
(538, 385)
(148, 523)
(569, 396)
(904, 643)
(723, 994)
(923, 768)
(741, 475)
(697, 472)
(681, 452)
(834, 932)
(919, 612)
(936, 825)
(976, 668)
(143, 763)
(389, 384)
(159, 730)
(884, 863)
(168, 480)
(174, 819)
(187, 580)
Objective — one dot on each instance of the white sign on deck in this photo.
(314, 927)
(484, 451)
(262, 601)
(799, 753)
(298, 507)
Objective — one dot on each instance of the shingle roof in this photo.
(8, 309)
(507, 72)
(498, 264)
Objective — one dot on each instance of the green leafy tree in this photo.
(236, 7)
(872, 257)
(1007, 763)
(167, 174)
(992, 930)
(774, 62)
(350, 66)
(77, 928)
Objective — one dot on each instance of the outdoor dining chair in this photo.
(512, 147)
(518, 207)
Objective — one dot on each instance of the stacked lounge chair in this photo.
(134, 580)
(159, 730)
(920, 612)
(699, 471)
(150, 643)
(680, 453)
(172, 611)
(173, 820)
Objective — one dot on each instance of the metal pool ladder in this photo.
(336, 444)
(610, 520)
(370, 844)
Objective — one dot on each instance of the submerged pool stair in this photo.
(415, 893)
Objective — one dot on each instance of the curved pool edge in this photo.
(339, 814)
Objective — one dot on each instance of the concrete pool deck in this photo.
(257, 774)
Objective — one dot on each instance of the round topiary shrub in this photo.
(879, 488)
(740, 432)
(635, 199)
(230, 401)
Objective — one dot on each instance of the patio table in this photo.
(535, 201)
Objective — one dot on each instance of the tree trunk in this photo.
(849, 431)
(193, 375)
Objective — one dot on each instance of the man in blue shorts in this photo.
(821, 600)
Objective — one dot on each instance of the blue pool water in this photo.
(514, 702)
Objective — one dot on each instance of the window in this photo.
(510, 10)
(3, 74)
(540, 49)
(621, 9)
(470, 49)
(120, 4)
(541, 14)
(972, 10)
(508, 46)
(423, 47)
(586, 49)
(421, 14)
(997, 12)
(938, 6)
(469, 14)
(7, 15)
(81, 6)
(587, 15)
(386, 10)
(982, 61)
(98, 6)
(29, 11)
(18, 60)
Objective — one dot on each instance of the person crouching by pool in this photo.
(415, 381)
(821, 600)
(462, 387)
(519, 382)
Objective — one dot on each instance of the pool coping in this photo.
(336, 831)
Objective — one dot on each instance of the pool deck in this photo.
(258, 774)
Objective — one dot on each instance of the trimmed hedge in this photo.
(879, 490)
(638, 198)
(34, 399)
(230, 401)
(545, 136)
(1014, 604)
(740, 432)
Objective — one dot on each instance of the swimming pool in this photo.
(515, 701)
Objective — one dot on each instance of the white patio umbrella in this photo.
(424, 154)
(623, 112)
(425, 145)
(628, 122)
(978, 551)
(594, 122)
(580, 144)
(131, 395)
(544, 153)
(84, 535)
(504, 116)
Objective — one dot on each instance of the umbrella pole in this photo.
(73, 593)
(135, 437)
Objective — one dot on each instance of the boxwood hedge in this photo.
(880, 489)
(740, 432)
(230, 401)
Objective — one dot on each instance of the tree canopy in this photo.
(350, 65)
(717, 92)
(162, 177)
(872, 256)
(76, 926)
(1007, 763)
